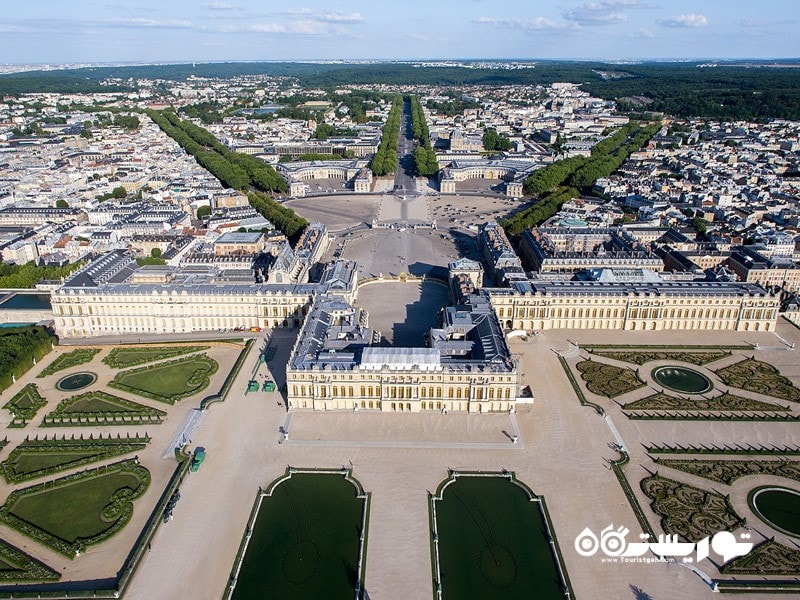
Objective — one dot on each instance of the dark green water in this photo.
(305, 542)
(779, 508)
(27, 302)
(76, 381)
(493, 543)
(681, 379)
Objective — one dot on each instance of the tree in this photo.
(61, 203)
(494, 141)
(119, 192)
(155, 253)
(203, 211)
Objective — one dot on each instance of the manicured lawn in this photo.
(305, 542)
(493, 543)
(121, 358)
(69, 360)
(78, 510)
(169, 381)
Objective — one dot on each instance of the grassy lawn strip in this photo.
(69, 360)
(608, 380)
(122, 358)
(25, 403)
(79, 510)
(756, 376)
(17, 566)
(38, 458)
(169, 381)
(101, 407)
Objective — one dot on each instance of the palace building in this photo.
(466, 366)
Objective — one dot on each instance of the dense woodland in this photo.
(683, 89)
(18, 347)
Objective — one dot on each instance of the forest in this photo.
(725, 91)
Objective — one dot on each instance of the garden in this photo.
(78, 510)
(101, 408)
(41, 457)
(122, 358)
(68, 360)
(168, 381)
(24, 405)
(756, 376)
(607, 380)
(640, 357)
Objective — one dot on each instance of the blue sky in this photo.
(60, 31)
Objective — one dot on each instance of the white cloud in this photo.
(140, 22)
(323, 16)
(339, 17)
(518, 22)
(223, 6)
(691, 20)
(301, 27)
(596, 13)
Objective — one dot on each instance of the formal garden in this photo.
(168, 381)
(41, 457)
(307, 535)
(79, 510)
(101, 408)
(760, 377)
(125, 357)
(491, 538)
(608, 380)
(68, 360)
(24, 405)
(687, 511)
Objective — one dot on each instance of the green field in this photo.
(78, 510)
(305, 541)
(69, 360)
(493, 542)
(121, 358)
(169, 381)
